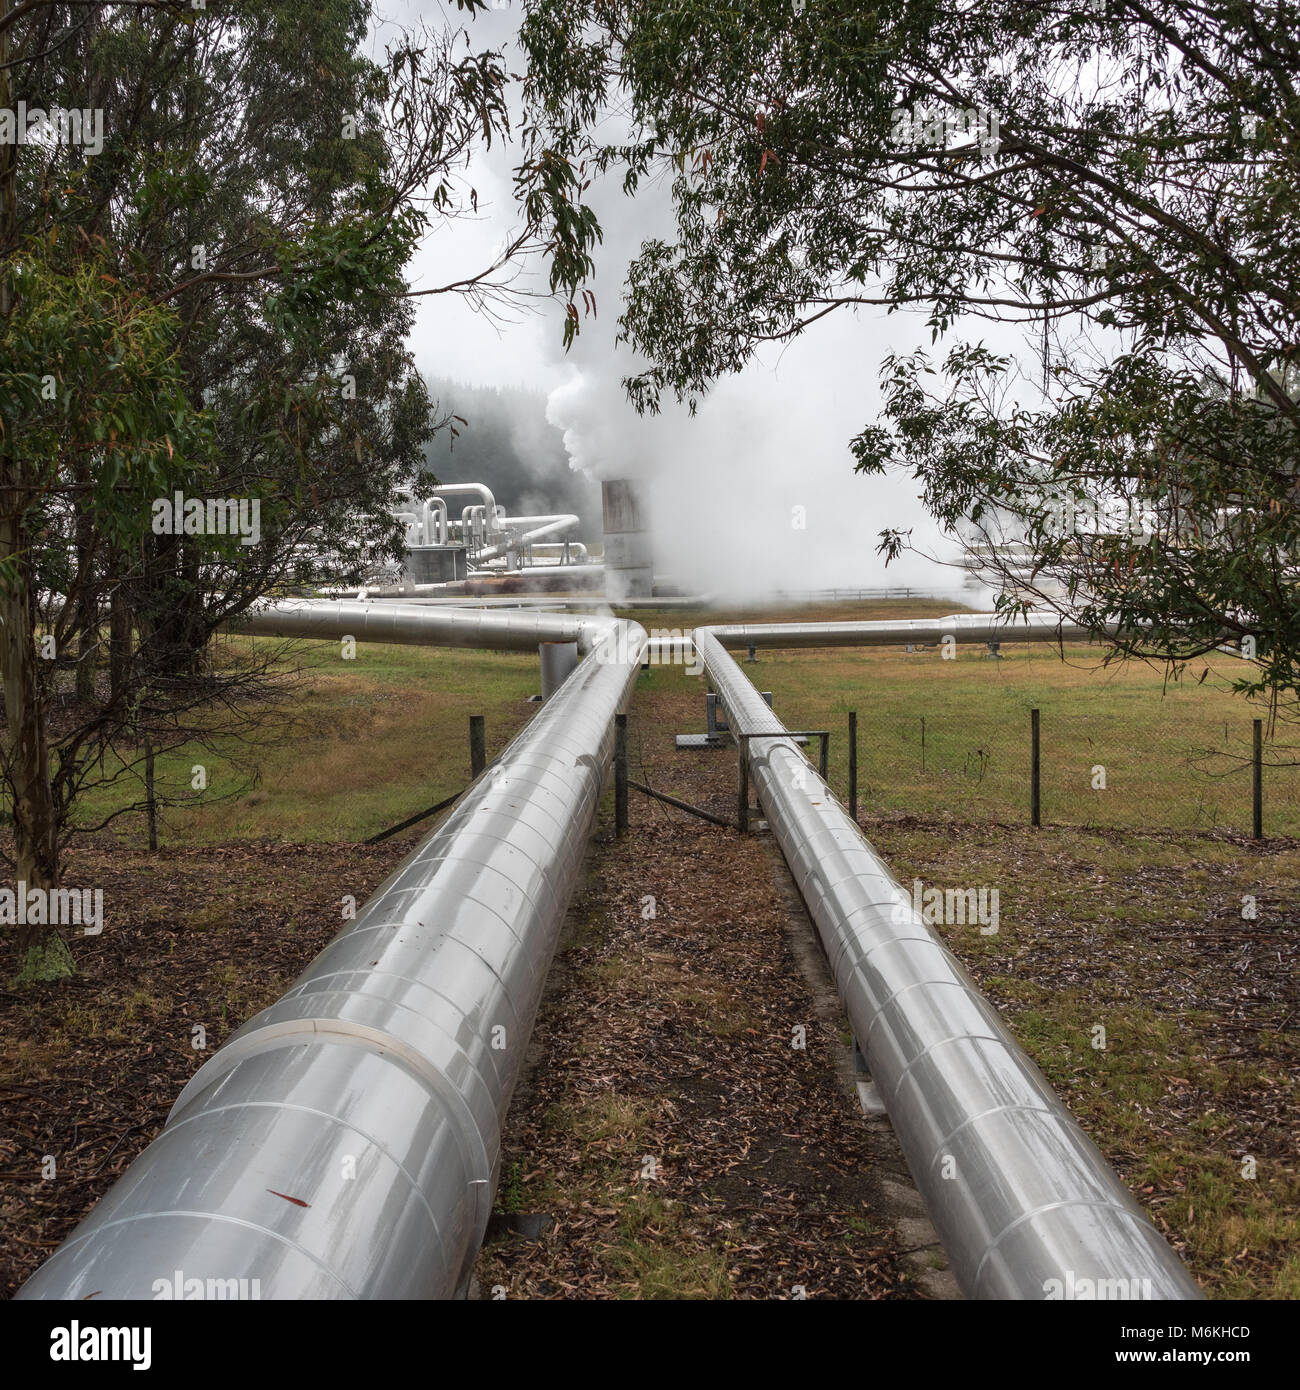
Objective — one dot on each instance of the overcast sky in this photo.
(768, 449)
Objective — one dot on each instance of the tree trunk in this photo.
(42, 951)
(119, 642)
(87, 619)
(170, 612)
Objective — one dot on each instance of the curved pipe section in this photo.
(433, 528)
(539, 526)
(344, 1142)
(1018, 1193)
(479, 490)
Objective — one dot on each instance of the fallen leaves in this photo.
(208, 936)
(681, 1027)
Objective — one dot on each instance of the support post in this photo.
(823, 754)
(1257, 782)
(853, 765)
(742, 786)
(559, 660)
(477, 745)
(1035, 800)
(620, 774)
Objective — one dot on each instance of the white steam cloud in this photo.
(722, 488)
(757, 491)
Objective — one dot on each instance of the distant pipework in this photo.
(485, 540)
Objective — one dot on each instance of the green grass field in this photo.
(384, 735)
(952, 737)
(351, 748)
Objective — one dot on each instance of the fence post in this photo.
(1257, 781)
(150, 799)
(477, 745)
(620, 774)
(823, 754)
(853, 765)
(1035, 800)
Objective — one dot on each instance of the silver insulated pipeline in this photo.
(344, 1143)
(1019, 1195)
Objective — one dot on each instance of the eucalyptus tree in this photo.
(202, 300)
(1117, 178)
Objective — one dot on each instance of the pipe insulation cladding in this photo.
(344, 1143)
(1018, 1193)
(891, 632)
(534, 528)
(415, 624)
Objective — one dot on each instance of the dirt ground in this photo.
(690, 1127)
(89, 1068)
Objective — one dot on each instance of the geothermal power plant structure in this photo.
(459, 533)
(629, 570)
